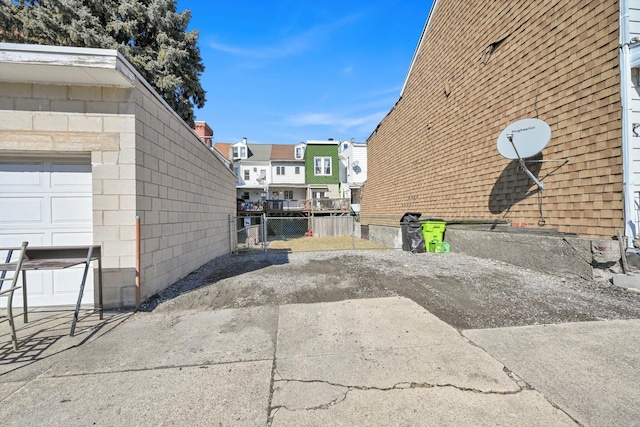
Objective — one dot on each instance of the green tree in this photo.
(151, 34)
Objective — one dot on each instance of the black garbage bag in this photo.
(412, 239)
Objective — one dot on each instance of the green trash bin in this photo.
(433, 234)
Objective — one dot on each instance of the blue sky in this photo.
(285, 71)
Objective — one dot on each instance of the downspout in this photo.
(625, 79)
(138, 272)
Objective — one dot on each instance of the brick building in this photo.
(479, 68)
(205, 132)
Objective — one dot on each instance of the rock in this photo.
(605, 251)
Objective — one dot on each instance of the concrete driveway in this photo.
(365, 360)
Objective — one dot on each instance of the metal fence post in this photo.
(263, 223)
(231, 249)
(353, 232)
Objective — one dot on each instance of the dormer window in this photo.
(240, 152)
(299, 153)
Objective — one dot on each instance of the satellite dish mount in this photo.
(523, 165)
(523, 139)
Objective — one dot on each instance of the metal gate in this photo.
(250, 233)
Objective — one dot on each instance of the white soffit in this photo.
(64, 65)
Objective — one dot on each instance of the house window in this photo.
(239, 152)
(298, 152)
(246, 174)
(288, 194)
(297, 170)
(279, 170)
(318, 194)
(245, 195)
(322, 166)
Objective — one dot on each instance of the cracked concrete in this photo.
(429, 406)
(295, 395)
(333, 356)
(358, 362)
(224, 355)
(591, 369)
(352, 342)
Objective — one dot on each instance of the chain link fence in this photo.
(316, 233)
(248, 233)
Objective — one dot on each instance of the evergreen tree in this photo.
(151, 34)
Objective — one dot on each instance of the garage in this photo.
(91, 154)
(47, 201)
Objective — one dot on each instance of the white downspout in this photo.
(625, 79)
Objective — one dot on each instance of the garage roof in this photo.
(25, 63)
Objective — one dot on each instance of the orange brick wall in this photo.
(436, 154)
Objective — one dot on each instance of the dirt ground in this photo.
(323, 244)
(466, 292)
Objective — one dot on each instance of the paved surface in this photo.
(591, 369)
(368, 361)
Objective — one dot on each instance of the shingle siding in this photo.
(436, 153)
(313, 151)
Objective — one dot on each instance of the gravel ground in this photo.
(466, 292)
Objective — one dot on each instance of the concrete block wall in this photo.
(38, 119)
(481, 67)
(185, 196)
(144, 161)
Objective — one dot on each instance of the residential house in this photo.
(86, 147)
(322, 169)
(252, 165)
(353, 170)
(324, 189)
(301, 179)
(287, 189)
(477, 69)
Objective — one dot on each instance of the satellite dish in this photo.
(523, 139)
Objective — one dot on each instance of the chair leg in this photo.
(12, 325)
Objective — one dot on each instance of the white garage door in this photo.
(47, 202)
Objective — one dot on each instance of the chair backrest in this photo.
(13, 263)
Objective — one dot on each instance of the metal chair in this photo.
(13, 267)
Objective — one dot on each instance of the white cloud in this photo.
(342, 122)
(393, 90)
(291, 46)
(283, 49)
